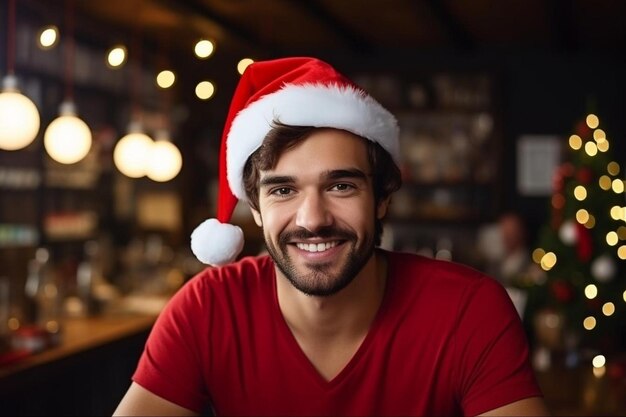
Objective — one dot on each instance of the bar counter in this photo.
(87, 373)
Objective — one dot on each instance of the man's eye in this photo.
(282, 191)
(342, 187)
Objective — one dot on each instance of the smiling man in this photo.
(327, 324)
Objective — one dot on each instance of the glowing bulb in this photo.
(598, 361)
(599, 135)
(624, 296)
(616, 212)
(548, 261)
(538, 254)
(116, 56)
(608, 309)
(621, 231)
(48, 37)
(591, 148)
(613, 168)
(204, 48)
(611, 238)
(621, 253)
(243, 64)
(589, 323)
(132, 153)
(205, 90)
(591, 222)
(165, 159)
(67, 139)
(582, 216)
(603, 146)
(580, 193)
(618, 186)
(592, 121)
(165, 79)
(605, 182)
(591, 291)
(19, 117)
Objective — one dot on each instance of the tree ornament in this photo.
(584, 248)
(603, 268)
(568, 233)
(562, 291)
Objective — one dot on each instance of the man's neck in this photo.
(347, 314)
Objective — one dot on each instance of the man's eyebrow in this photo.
(276, 180)
(338, 174)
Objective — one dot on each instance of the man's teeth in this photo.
(316, 247)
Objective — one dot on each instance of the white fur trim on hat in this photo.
(216, 243)
(318, 105)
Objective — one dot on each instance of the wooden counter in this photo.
(86, 374)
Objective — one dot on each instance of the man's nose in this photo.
(313, 213)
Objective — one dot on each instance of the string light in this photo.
(48, 37)
(605, 182)
(67, 139)
(204, 48)
(621, 253)
(205, 90)
(591, 148)
(618, 186)
(132, 152)
(591, 222)
(592, 121)
(582, 216)
(165, 159)
(603, 146)
(116, 57)
(165, 79)
(611, 238)
(589, 323)
(608, 309)
(548, 261)
(599, 135)
(591, 291)
(580, 193)
(538, 254)
(243, 64)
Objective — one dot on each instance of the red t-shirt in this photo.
(446, 340)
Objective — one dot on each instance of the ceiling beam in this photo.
(455, 31)
(356, 42)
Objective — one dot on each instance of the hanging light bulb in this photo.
(132, 152)
(67, 139)
(19, 117)
(165, 159)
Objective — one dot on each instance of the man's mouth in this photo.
(317, 247)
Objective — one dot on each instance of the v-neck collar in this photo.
(302, 358)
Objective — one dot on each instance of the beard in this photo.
(319, 279)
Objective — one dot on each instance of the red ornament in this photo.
(584, 248)
(584, 176)
(562, 291)
(582, 129)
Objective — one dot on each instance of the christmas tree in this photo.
(582, 249)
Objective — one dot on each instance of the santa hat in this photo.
(296, 92)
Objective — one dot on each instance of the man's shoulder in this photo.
(429, 268)
(247, 272)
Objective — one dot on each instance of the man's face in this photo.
(317, 211)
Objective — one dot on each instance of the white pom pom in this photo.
(216, 243)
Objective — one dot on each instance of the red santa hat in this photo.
(296, 92)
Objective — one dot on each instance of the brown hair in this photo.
(385, 174)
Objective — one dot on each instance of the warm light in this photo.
(591, 148)
(14, 323)
(589, 323)
(591, 291)
(621, 253)
(204, 90)
(582, 216)
(603, 146)
(165, 159)
(598, 361)
(203, 49)
(243, 64)
(608, 309)
(116, 56)
(624, 296)
(67, 139)
(618, 186)
(165, 79)
(548, 261)
(613, 168)
(48, 37)
(599, 372)
(605, 182)
(580, 193)
(592, 121)
(538, 254)
(132, 153)
(591, 222)
(616, 212)
(19, 117)
(611, 238)
(621, 231)
(599, 135)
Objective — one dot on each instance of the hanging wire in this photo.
(69, 49)
(11, 38)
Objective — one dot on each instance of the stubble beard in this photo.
(319, 279)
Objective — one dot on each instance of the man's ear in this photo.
(257, 216)
(381, 209)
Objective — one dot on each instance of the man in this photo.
(326, 324)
